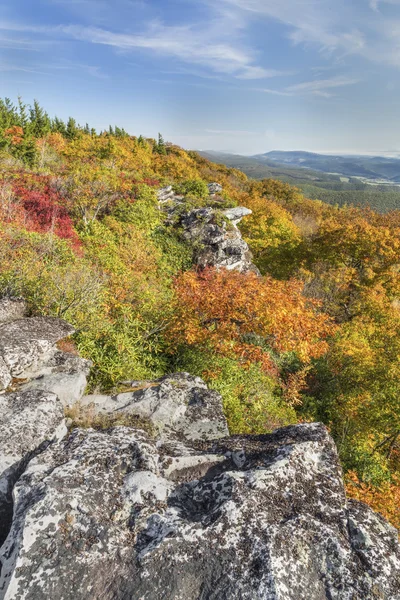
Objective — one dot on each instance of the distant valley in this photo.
(362, 180)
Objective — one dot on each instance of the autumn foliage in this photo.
(315, 337)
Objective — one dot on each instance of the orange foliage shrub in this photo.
(14, 134)
(248, 317)
(384, 499)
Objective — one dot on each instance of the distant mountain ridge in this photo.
(360, 180)
(369, 167)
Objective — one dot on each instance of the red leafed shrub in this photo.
(151, 182)
(44, 212)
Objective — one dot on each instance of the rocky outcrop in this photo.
(216, 238)
(167, 194)
(115, 514)
(212, 233)
(182, 513)
(178, 405)
(214, 188)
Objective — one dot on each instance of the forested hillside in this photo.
(316, 337)
(317, 185)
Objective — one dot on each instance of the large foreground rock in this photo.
(116, 515)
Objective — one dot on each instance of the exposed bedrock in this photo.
(116, 514)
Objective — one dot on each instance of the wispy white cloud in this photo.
(337, 28)
(375, 4)
(320, 85)
(206, 46)
(10, 67)
(317, 87)
(186, 43)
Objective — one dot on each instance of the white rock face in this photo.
(12, 309)
(175, 404)
(111, 515)
(28, 421)
(27, 342)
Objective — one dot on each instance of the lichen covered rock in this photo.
(117, 515)
(28, 422)
(178, 405)
(26, 342)
(216, 244)
(61, 373)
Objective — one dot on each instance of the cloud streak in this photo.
(325, 25)
(317, 87)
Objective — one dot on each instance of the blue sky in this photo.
(241, 76)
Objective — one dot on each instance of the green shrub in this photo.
(194, 188)
(252, 403)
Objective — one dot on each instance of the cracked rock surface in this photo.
(117, 515)
(177, 405)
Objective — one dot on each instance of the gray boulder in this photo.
(26, 342)
(215, 244)
(116, 515)
(214, 188)
(28, 421)
(177, 405)
(12, 309)
(63, 374)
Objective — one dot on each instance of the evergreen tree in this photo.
(23, 115)
(58, 126)
(40, 123)
(72, 129)
(160, 147)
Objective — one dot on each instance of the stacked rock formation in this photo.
(213, 233)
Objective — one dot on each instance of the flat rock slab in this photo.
(12, 309)
(25, 342)
(99, 515)
(179, 405)
(236, 214)
(63, 374)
